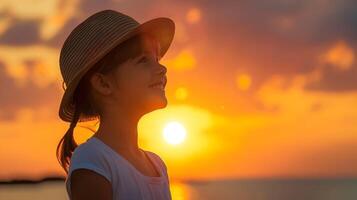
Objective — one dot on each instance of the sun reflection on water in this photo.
(181, 191)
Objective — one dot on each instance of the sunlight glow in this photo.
(174, 133)
(243, 81)
(185, 60)
(193, 15)
(181, 93)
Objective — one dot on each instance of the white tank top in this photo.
(127, 182)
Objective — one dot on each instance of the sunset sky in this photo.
(260, 88)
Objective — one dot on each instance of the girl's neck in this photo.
(119, 132)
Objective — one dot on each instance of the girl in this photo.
(110, 64)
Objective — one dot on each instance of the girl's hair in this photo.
(84, 106)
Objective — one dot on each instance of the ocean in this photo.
(248, 189)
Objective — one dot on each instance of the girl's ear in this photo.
(101, 83)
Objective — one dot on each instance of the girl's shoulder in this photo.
(86, 148)
(88, 156)
(89, 153)
(158, 159)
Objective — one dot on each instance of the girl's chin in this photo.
(161, 101)
(157, 92)
(158, 101)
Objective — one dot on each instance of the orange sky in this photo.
(262, 89)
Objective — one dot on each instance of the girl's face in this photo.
(135, 77)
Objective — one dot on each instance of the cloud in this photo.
(43, 63)
(41, 21)
(273, 37)
(337, 70)
(34, 9)
(333, 80)
(21, 33)
(340, 55)
(14, 98)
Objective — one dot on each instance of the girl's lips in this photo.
(162, 81)
(158, 87)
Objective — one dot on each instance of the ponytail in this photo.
(67, 144)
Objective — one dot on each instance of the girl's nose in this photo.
(161, 69)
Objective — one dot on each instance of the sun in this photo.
(174, 133)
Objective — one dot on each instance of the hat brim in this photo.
(163, 29)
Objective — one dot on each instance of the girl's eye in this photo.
(143, 59)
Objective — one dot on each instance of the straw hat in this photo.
(96, 36)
